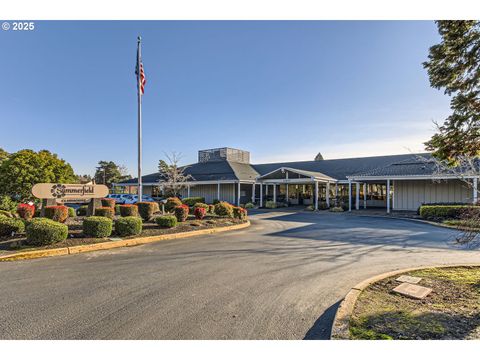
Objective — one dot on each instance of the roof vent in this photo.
(224, 154)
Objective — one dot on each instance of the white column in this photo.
(253, 193)
(388, 195)
(261, 195)
(364, 195)
(328, 194)
(188, 190)
(286, 192)
(275, 193)
(349, 195)
(218, 191)
(316, 195)
(475, 190)
(357, 196)
(238, 194)
(266, 189)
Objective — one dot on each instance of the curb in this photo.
(34, 254)
(341, 322)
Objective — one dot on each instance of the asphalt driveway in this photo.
(282, 278)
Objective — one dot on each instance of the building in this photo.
(398, 182)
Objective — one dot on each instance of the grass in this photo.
(451, 311)
(463, 224)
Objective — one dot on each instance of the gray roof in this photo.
(405, 164)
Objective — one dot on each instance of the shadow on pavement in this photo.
(322, 328)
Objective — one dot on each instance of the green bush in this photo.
(172, 203)
(337, 209)
(215, 201)
(211, 209)
(129, 210)
(239, 213)
(167, 221)
(82, 210)
(41, 231)
(191, 201)
(71, 212)
(56, 213)
(270, 204)
(200, 205)
(181, 212)
(146, 209)
(6, 214)
(117, 209)
(223, 208)
(310, 208)
(10, 225)
(105, 211)
(97, 226)
(249, 205)
(7, 204)
(128, 225)
(107, 202)
(444, 212)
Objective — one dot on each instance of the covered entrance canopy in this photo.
(290, 176)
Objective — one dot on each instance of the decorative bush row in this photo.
(129, 210)
(56, 213)
(41, 231)
(10, 225)
(223, 208)
(128, 226)
(191, 201)
(172, 203)
(181, 212)
(443, 212)
(147, 209)
(107, 202)
(167, 221)
(97, 226)
(26, 211)
(105, 211)
(200, 212)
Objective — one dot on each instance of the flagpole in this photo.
(139, 58)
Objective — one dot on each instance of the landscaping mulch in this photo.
(451, 311)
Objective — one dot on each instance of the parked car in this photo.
(132, 199)
(119, 198)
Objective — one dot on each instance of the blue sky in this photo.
(282, 90)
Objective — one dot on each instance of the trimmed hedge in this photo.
(271, 204)
(117, 209)
(10, 225)
(181, 212)
(7, 204)
(41, 231)
(201, 205)
(97, 226)
(129, 210)
(146, 209)
(191, 201)
(223, 208)
(71, 212)
(56, 213)
(444, 212)
(172, 203)
(167, 221)
(105, 211)
(6, 214)
(199, 213)
(128, 225)
(107, 202)
(249, 205)
(82, 210)
(239, 213)
(26, 211)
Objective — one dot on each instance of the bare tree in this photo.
(172, 177)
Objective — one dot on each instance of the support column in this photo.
(328, 194)
(316, 195)
(188, 190)
(261, 195)
(475, 190)
(275, 193)
(364, 195)
(218, 191)
(286, 192)
(349, 195)
(238, 194)
(357, 196)
(388, 196)
(253, 193)
(266, 189)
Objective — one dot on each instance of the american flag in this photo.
(142, 80)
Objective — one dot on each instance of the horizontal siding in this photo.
(209, 192)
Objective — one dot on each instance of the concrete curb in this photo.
(341, 322)
(34, 254)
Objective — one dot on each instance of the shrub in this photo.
(26, 211)
(211, 209)
(191, 201)
(56, 213)
(71, 212)
(271, 204)
(167, 221)
(129, 210)
(82, 210)
(146, 209)
(239, 213)
(171, 203)
(6, 214)
(223, 208)
(336, 209)
(249, 205)
(107, 202)
(181, 212)
(310, 208)
(105, 211)
(156, 207)
(443, 212)
(117, 209)
(199, 213)
(128, 225)
(97, 226)
(43, 231)
(10, 225)
(215, 201)
(200, 205)
(7, 204)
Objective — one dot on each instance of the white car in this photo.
(132, 199)
(119, 198)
